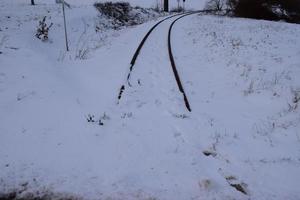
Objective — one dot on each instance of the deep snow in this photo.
(241, 77)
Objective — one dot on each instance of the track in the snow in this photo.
(172, 61)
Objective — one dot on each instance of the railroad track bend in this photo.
(171, 57)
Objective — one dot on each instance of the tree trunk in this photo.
(32, 2)
(166, 5)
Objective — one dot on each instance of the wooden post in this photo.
(32, 2)
(66, 35)
(166, 5)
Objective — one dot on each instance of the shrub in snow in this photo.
(122, 14)
(43, 30)
(215, 5)
(288, 10)
(119, 11)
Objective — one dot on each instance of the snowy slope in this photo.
(241, 77)
(245, 81)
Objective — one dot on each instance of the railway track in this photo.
(171, 57)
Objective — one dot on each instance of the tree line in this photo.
(288, 10)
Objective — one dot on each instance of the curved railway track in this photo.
(171, 57)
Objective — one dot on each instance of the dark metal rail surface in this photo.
(177, 77)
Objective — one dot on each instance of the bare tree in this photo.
(215, 5)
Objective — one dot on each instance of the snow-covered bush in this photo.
(288, 10)
(123, 14)
(119, 11)
(215, 5)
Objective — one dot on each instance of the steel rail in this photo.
(175, 71)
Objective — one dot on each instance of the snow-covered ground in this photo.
(189, 4)
(241, 78)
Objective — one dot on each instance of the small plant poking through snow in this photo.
(43, 30)
(126, 115)
(103, 118)
(181, 116)
(210, 153)
(91, 119)
(296, 99)
(239, 186)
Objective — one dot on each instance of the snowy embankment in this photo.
(241, 78)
